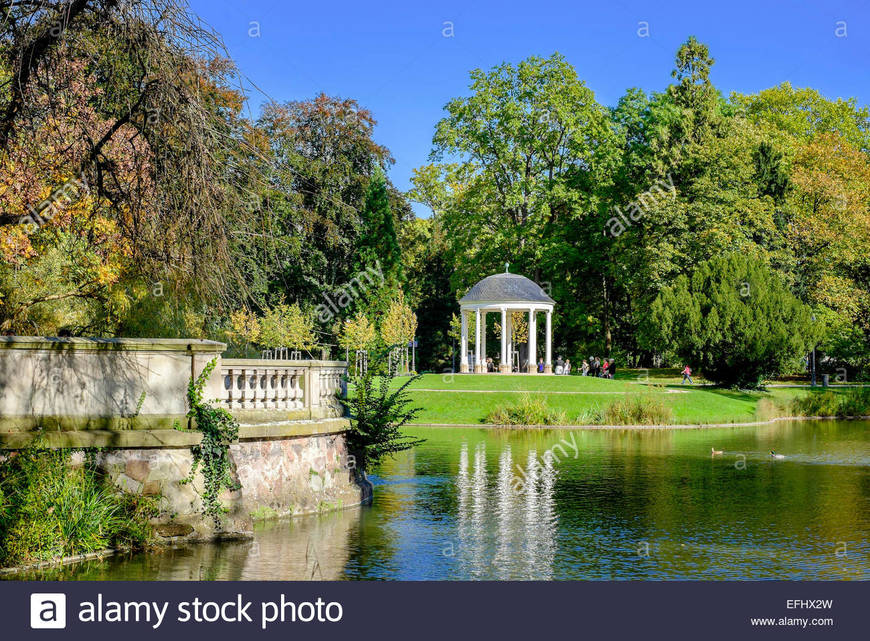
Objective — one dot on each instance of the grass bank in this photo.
(470, 399)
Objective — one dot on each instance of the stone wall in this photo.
(67, 384)
(129, 397)
(279, 477)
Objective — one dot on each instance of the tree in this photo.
(455, 331)
(398, 328)
(523, 136)
(323, 162)
(357, 333)
(427, 289)
(244, 328)
(399, 324)
(519, 328)
(694, 93)
(798, 114)
(734, 319)
(287, 326)
(118, 122)
(378, 241)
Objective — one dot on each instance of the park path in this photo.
(533, 391)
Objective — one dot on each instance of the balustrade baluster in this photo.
(280, 387)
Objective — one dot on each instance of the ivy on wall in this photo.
(219, 430)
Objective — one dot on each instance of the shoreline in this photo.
(174, 541)
(673, 426)
(64, 560)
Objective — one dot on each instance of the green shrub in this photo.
(377, 415)
(851, 402)
(529, 410)
(50, 509)
(641, 409)
(855, 402)
(734, 319)
(821, 404)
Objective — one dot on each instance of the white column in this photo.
(477, 369)
(483, 340)
(548, 358)
(503, 366)
(510, 340)
(463, 344)
(533, 342)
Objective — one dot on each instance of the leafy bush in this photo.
(50, 509)
(641, 409)
(855, 402)
(377, 415)
(734, 319)
(529, 410)
(852, 402)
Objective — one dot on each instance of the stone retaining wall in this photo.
(279, 477)
(128, 397)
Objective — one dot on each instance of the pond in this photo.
(603, 504)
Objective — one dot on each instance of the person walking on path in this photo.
(540, 366)
(687, 375)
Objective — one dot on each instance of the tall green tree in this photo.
(733, 318)
(378, 241)
(524, 139)
(323, 160)
(428, 289)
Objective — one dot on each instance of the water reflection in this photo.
(306, 548)
(515, 537)
(490, 504)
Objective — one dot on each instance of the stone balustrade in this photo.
(258, 390)
(128, 397)
(260, 385)
(122, 390)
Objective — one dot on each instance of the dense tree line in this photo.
(138, 197)
(610, 206)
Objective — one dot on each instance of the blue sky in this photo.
(394, 58)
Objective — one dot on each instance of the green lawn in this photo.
(468, 398)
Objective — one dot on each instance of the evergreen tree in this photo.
(734, 319)
(378, 248)
(378, 241)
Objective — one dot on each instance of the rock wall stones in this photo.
(279, 477)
